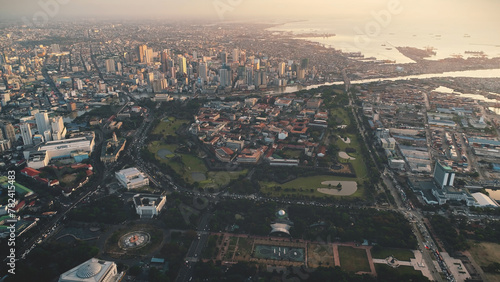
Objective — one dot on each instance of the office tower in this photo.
(304, 64)
(181, 61)
(5, 99)
(202, 72)
(223, 58)
(42, 122)
(110, 66)
(58, 129)
(149, 55)
(9, 132)
(301, 73)
(243, 58)
(263, 80)
(119, 66)
(224, 78)
(141, 51)
(443, 175)
(257, 81)
(195, 55)
(164, 58)
(26, 133)
(160, 85)
(249, 75)
(236, 55)
(241, 72)
(256, 64)
(151, 78)
(281, 69)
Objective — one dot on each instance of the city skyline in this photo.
(446, 10)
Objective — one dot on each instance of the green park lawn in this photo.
(302, 186)
(168, 126)
(353, 260)
(400, 254)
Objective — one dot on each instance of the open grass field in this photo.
(293, 188)
(320, 255)
(400, 254)
(244, 250)
(484, 254)
(168, 126)
(353, 260)
(358, 163)
(402, 270)
(218, 179)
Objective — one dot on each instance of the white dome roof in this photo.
(88, 270)
(281, 212)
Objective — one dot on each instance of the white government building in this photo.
(131, 178)
(148, 206)
(93, 270)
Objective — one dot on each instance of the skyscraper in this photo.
(149, 55)
(223, 58)
(224, 78)
(26, 133)
(110, 66)
(58, 129)
(256, 64)
(181, 61)
(281, 69)
(236, 55)
(304, 64)
(203, 71)
(42, 122)
(141, 51)
(9, 132)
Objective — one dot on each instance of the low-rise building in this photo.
(147, 206)
(131, 178)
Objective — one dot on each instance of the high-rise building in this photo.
(181, 61)
(42, 122)
(223, 58)
(256, 64)
(79, 84)
(5, 98)
(249, 75)
(304, 64)
(243, 58)
(9, 132)
(141, 51)
(149, 55)
(236, 55)
(202, 72)
(110, 66)
(58, 129)
(443, 175)
(224, 78)
(26, 133)
(281, 69)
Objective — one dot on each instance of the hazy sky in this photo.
(434, 10)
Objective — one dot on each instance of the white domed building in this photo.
(93, 270)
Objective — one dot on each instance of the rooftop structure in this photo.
(131, 178)
(93, 270)
(148, 206)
